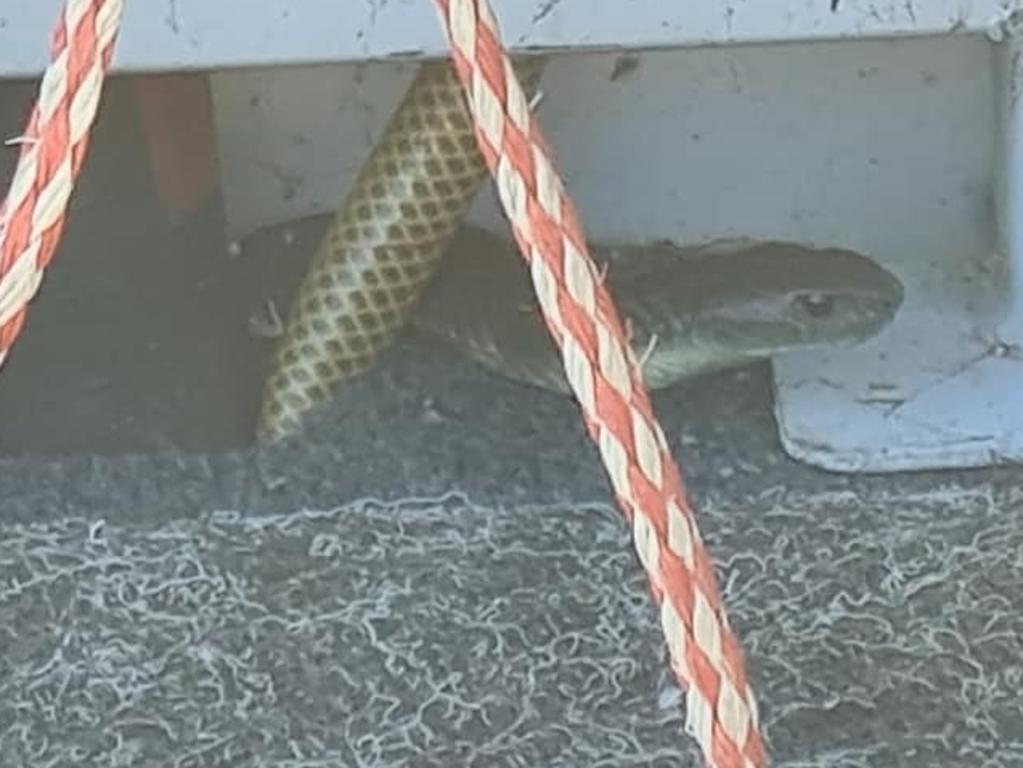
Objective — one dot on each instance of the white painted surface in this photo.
(179, 34)
(292, 138)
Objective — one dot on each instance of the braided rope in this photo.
(578, 310)
(52, 153)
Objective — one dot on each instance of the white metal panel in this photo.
(183, 34)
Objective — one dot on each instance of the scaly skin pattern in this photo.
(381, 248)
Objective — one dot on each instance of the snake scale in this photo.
(379, 266)
(381, 248)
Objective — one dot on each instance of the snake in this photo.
(398, 253)
(692, 310)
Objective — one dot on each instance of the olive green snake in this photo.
(397, 252)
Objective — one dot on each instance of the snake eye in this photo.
(817, 305)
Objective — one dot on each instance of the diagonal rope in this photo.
(52, 153)
(603, 373)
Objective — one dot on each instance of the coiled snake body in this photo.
(691, 310)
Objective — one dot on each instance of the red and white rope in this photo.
(52, 152)
(580, 314)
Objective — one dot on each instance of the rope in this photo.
(53, 150)
(580, 314)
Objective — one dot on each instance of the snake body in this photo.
(696, 309)
(381, 248)
(691, 310)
